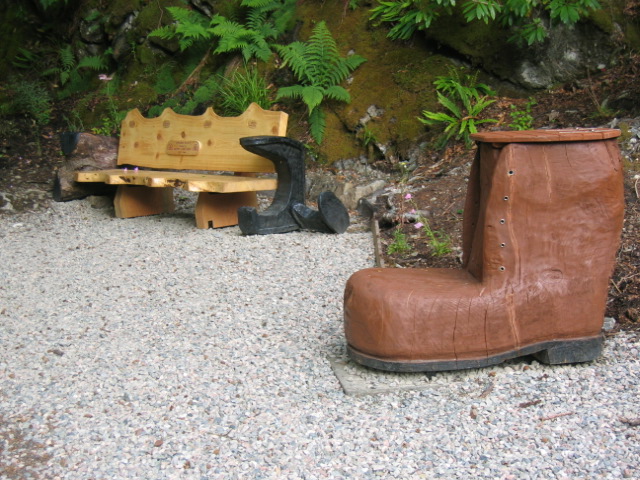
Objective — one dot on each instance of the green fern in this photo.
(72, 73)
(190, 27)
(320, 69)
(264, 21)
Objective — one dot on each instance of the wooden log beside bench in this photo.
(192, 152)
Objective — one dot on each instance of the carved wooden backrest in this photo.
(203, 142)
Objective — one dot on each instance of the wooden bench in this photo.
(192, 152)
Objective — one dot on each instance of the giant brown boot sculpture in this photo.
(542, 223)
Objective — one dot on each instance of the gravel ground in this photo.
(148, 349)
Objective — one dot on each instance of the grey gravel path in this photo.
(148, 349)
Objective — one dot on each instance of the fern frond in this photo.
(294, 57)
(97, 62)
(354, 61)
(190, 26)
(324, 65)
(336, 92)
(317, 124)
(185, 16)
(64, 77)
(312, 96)
(433, 118)
(259, 3)
(293, 91)
(166, 32)
(260, 49)
(67, 58)
(256, 18)
(449, 104)
(283, 16)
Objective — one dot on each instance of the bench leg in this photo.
(215, 210)
(139, 201)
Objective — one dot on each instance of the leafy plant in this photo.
(187, 102)
(29, 99)
(50, 3)
(74, 122)
(241, 89)
(32, 100)
(464, 103)
(449, 84)
(111, 122)
(264, 21)
(399, 244)
(320, 69)
(407, 16)
(72, 73)
(522, 119)
(439, 242)
(368, 137)
(524, 17)
(24, 59)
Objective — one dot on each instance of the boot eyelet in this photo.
(502, 269)
(505, 198)
(502, 221)
(511, 172)
(502, 245)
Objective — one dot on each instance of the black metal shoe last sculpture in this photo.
(331, 216)
(288, 211)
(288, 157)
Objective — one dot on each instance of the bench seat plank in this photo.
(193, 182)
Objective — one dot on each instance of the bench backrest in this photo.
(202, 142)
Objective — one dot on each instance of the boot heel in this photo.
(571, 351)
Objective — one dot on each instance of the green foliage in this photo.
(524, 17)
(407, 16)
(24, 59)
(319, 69)
(459, 77)
(522, 119)
(30, 99)
(190, 101)
(46, 4)
(74, 122)
(464, 103)
(241, 89)
(72, 74)
(368, 137)
(165, 82)
(264, 21)
(439, 242)
(399, 244)
(110, 125)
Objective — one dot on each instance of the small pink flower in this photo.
(105, 78)
(407, 196)
(418, 225)
(413, 210)
(135, 169)
(125, 169)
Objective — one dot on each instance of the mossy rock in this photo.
(619, 18)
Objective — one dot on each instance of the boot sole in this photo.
(557, 352)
